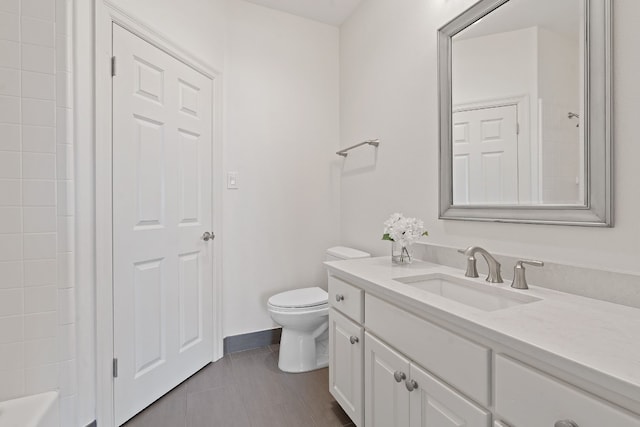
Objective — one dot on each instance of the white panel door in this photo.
(485, 156)
(345, 364)
(386, 399)
(162, 206)
(435, 404)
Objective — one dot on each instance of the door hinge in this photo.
(113, 66)
(115, 368)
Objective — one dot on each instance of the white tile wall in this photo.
(11, 247)
(38, 112)
(38, 58)
(12, 6)
(11, 273)
(38, 166)
(9, 81)
(44, 9)
(10, 192)
(38, 85)
(9, 137)
(40, 273)
(10, 109)
(38, 31)
(39, 139)
(11, 301)
(37, 293)
(65, 210)
(38, 193)
(9, 26)
(9, 54)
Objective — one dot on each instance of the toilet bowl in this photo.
(304, 317)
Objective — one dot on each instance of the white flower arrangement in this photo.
(403, 231)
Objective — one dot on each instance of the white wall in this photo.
(37, 317)
(389, 88)
(281, 86)
(495, 66)
(197, 26)
(559, 92)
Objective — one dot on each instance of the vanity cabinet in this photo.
(400, 393)
(391, 367)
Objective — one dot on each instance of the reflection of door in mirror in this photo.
(529, 50)
(485, 156)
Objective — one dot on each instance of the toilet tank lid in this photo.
(300, 298)
(343, 252)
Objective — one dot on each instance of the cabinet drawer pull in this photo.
(339, 297)
(412, 385)
(399, 376)
(565, 423)
(354, 339)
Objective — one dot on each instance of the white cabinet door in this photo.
(162, 205)
(345, 364)
(386, 395)
(435, 404)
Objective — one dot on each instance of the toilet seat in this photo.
(305, 298)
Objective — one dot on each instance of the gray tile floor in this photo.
(247, 389)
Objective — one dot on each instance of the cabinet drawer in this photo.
(458, 361)
(525, 397)
(346, 298)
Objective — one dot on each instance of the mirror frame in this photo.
(598, 208)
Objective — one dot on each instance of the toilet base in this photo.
(301, 352)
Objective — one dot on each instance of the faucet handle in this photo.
(529, 262)
(519, 278)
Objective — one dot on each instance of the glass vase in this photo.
(400, 254)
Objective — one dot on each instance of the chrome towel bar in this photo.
(374, 142)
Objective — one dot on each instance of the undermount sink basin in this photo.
(473, 294)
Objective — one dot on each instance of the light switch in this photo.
(232, 180)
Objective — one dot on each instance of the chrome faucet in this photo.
(519, 278)
(494, 266)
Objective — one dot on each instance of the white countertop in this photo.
(594, 340)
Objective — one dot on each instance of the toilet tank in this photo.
(340, 252)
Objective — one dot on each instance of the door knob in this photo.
(208, 236)
(411, 385)
(339, 297)
(354, 339)
(399, 376)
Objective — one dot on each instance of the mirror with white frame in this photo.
(525, 112)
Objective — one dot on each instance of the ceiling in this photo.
(332, 12)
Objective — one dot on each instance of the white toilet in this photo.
(304, 317)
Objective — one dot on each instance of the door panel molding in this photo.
(107, 14)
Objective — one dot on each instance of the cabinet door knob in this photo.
(565, 423)
(411, 385)
(339, 297)
(208, 236)
(354, 339)
(399, 376)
